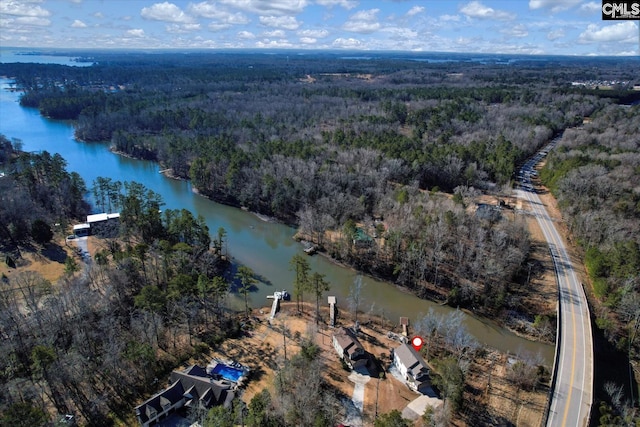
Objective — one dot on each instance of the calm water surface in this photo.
(266, 247)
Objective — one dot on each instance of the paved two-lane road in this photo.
(572, 395)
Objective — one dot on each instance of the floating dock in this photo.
(276, 297)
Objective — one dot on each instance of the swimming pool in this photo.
(228, 372)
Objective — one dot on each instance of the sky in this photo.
(537, 27)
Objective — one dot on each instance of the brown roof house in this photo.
(187, 389)
(349, 348)
(412, 367)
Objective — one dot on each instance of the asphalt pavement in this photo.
(572, 385)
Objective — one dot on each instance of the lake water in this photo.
(29, 56)
(266, 247)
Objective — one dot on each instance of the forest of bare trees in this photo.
(98, 339)
(322, 142)
(594, 172)
(377, 162)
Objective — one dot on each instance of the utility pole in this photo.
(284, 340)
(377, 388)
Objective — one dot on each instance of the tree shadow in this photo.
(612, 365)
(256, 374)
(235, 285)
(262, 279)
(54, 252)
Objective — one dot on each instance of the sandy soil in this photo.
(48, 261)
(262, 350)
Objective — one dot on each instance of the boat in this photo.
(283, 295)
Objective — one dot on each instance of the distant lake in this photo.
(38, 56)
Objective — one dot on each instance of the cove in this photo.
(266, 247)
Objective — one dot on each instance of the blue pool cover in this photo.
(227, 372)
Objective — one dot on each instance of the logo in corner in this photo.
(625, 10)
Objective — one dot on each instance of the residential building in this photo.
(189, 388)
(412, 367)
(349, 348)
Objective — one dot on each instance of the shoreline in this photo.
(167, 172)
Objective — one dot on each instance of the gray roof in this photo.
(192, 385)
(350, 344)
(416, 366)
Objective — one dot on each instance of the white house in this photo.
(412, 367)
(92, 219)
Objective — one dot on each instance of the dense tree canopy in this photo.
(36, 193)
(94, 342)
(594, 172)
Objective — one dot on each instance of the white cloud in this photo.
(98, 15)
(415, 10)
(313, 33)
(78, 24)
(449, 18)
(554, 5)
(32, 20)
(21, 8)
(627, 53)
(346, 4)
(274, 44)
(286, 22)
(349, 43)
(361, 27)
(398, 33)
(246, 35)
(217, 26)
(211, 11)
(182, 28)
(206, 10)
(268, 7)
(622, 32)
(591, 8)
(363, 21)
(476, 9)
(274, 34)
(308, 40)
(365, 15)
(166, 12)
(136, 32)
(555, 34)
(237, 19)
(518, 31)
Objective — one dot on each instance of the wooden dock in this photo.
(276, 297)
(332, 310)
(404, 322)
(274, 307)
